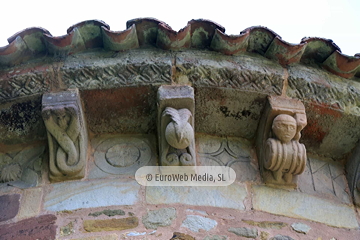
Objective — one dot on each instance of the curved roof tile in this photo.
(197, 34)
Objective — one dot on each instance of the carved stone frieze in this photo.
(111, 76)
(309, 84)
(67, 137)
(24, 85)
(230, 152)
(21, 169)
(324, 177)
(231, 77)
(240, 72)
(120, 155)
(176, 126)
(280, 154)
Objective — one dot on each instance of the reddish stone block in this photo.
(41, 228)
(9, 206)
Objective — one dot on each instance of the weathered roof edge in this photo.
(197, 34)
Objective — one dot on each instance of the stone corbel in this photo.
(281, 156)
(176, 126)
(64, 120)
(353, 174)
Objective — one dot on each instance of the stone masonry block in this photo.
(70, 196)
(9, 205)
(42, 228)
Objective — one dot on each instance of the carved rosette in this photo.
(176, 126)
(63, 117)
(282, 157)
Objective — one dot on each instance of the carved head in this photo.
(284, 127)
(62, 118)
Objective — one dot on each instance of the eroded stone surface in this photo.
(195, 223)
(21, 121)
(21, 169)
(42, 227)
(300, 227)
(64, 120)
(107, 237)
(281, 237)
(110, 224)
(206, 69)
(67, 229)
(232, 152)
(30, 203)
(216, 237)
(237, 112)
(74, 195)
(281, 155)
(325, 178)
(159, 218)
(245, 232)
(299, 205)
(109, 213)
(123, 110)
(181, 236)
(264, 235)
(118, 155)
(228, 197)
(327, 96)
(9, 205)
(176, 112)
(266, 224)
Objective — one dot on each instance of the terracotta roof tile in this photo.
(342, 65)
(169, 39)
(122, 40)
(147, 29)
(260, 38)
(197, 34)
(230, 45)
(284, 52)
(90, 32)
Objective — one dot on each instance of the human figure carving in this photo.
(284, 155)
(179, 136)
(63, 125)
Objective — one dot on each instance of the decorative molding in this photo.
(65, 124)
(280, 154)
(116, 75)
(344, 96)
(231, 77)
(122, 155)
(24, 85)
(176, 126)
(230, 152)
(21, 169)
(324, 178)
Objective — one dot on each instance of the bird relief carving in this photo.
(178, 144)
(176, 126)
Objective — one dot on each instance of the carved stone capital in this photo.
(176, 126)
(64, 120)
(280, 154)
